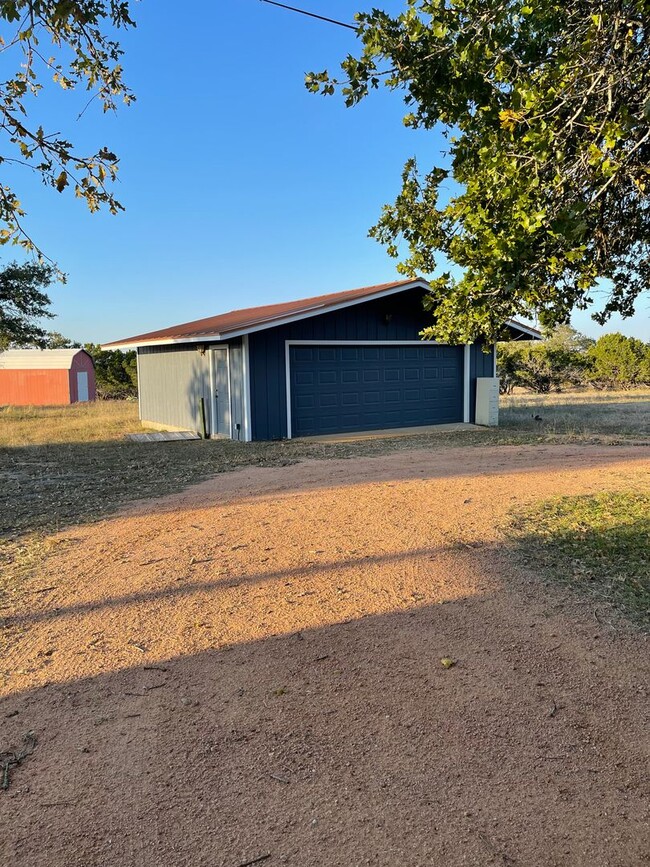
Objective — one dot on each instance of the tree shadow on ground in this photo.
(347, 744)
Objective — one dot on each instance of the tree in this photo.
(116, 372)
(23, 302)
(546, 109)
(84, 56)
(619, 362)
(560, 360)
(56, 340)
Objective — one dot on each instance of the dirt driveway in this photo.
(252, 668)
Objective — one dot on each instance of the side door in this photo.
(220, 392)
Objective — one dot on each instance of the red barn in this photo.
(46, 377)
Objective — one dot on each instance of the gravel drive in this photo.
(250, 672)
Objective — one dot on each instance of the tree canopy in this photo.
(23, 303)
(69, 43)
(546, 109)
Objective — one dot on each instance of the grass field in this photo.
(601, 413)
(80, 423)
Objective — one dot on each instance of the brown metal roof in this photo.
(253, 317)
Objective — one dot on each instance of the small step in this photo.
(163, 436)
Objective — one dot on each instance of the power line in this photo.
(310, 14)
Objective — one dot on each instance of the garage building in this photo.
(341, 363)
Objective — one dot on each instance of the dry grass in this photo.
(79, 423)
(623, 414)
(599, 543)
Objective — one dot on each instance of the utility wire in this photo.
(310, 14)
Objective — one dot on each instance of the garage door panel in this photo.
(327, 401)
(338, 389)
(305, 401)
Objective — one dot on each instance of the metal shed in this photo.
(46, 377)
(345, 362)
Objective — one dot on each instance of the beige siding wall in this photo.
(172, 381)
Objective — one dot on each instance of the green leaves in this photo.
(548, 106)
(89, 60)
(23, 301)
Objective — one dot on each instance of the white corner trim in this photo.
(245, 356)
(137, 369)
(213, 395)
(494, 360)
(287, 376)
(229, 391)
(466, 381)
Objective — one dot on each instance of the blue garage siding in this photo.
(338, 389)
(396, 317)
(480, 364)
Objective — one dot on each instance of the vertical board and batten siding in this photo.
(397, 317)
(480, 364)
(172, 381)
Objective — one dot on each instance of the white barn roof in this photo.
(38, 359)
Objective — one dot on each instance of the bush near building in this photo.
(568, 359)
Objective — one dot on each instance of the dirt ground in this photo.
(250, 672)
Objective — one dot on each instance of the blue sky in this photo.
(240, 187)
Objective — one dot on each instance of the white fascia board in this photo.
(525, 329)
(170, 341)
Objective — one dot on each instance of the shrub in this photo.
(617, 361)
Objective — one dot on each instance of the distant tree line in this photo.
(568, 359)
(116, 372)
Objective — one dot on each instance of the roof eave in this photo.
(272, 322)
(528, 330)
(162, 341)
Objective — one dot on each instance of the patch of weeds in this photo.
(599, 543)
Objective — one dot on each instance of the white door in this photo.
(221, 392)
(82, 386)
